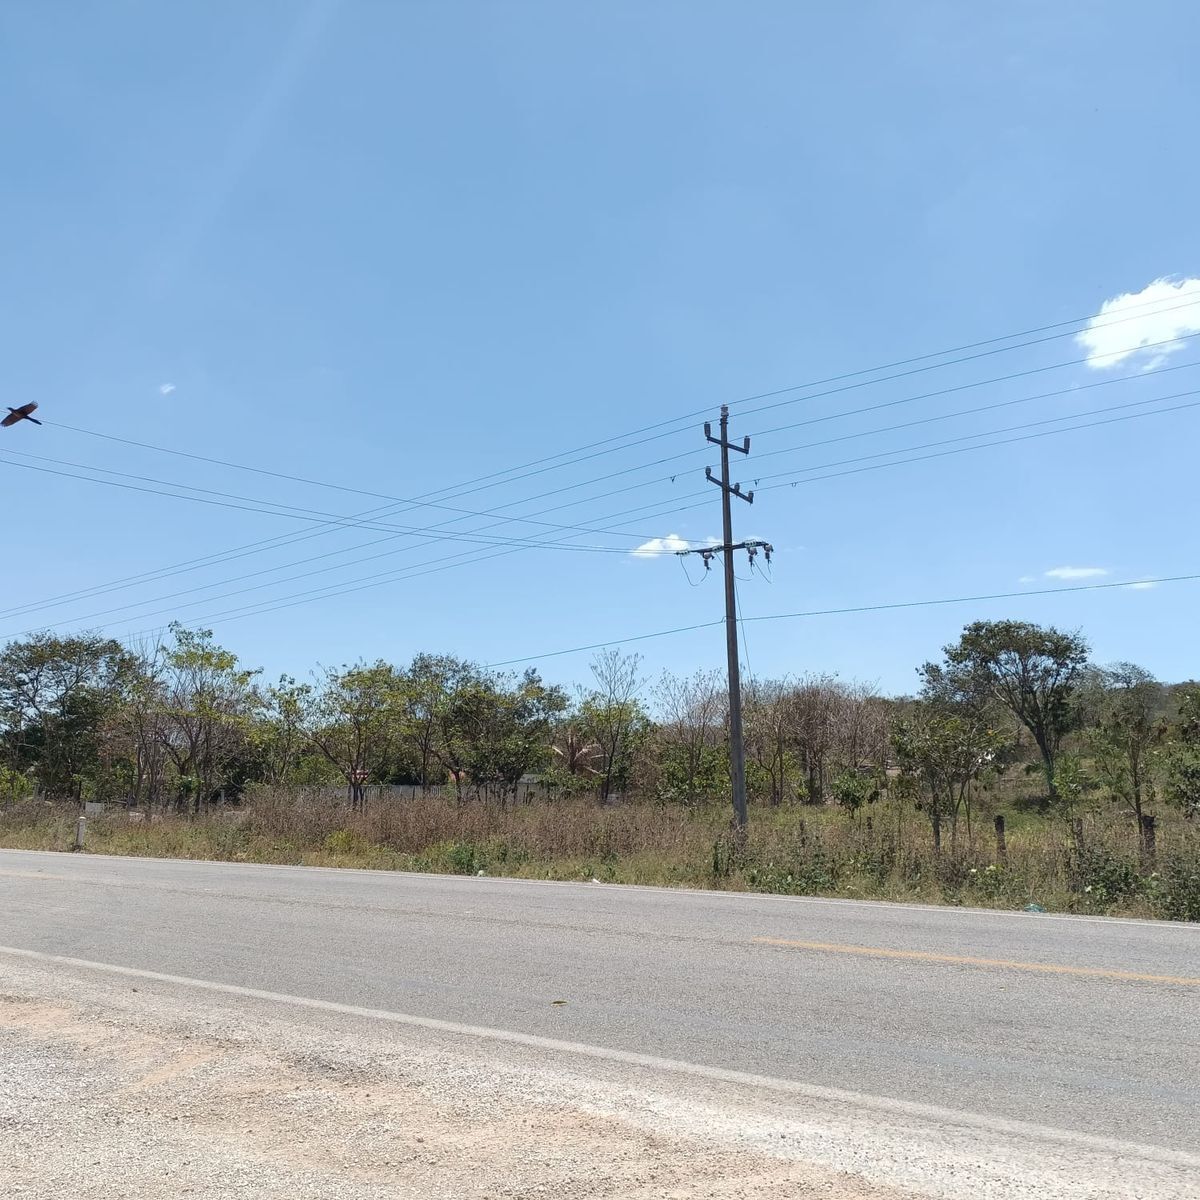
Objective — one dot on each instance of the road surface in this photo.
(937, 1051)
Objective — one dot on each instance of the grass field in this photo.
(884, 854)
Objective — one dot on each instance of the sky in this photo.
(460, 263)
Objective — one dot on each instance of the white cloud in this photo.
(1133, 323)
(1076, 572)
(1027, 579)
(660, 545)
(166, 389)
(1143, 585)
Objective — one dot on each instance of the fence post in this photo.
(1077, 832)
(1001, 844)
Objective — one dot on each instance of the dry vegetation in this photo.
(443, 765)
(1093, 866)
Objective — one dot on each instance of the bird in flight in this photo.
(21, 414)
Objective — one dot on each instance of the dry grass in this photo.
(798, 851)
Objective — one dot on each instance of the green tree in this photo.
(495, 729)
(208, 706)
(947, 750)
(426, 688)
(852, 789)
(1029, 669)
(1181, 782)
(355, 721)
(280, 735)
(1125, 730)
(56, 694)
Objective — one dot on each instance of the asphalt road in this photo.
(1085, 1025)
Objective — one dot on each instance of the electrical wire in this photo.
(687, 574)
(860, 608)
(844, 376)
(968, 412)
(985, 446)
(963, 437)
(238, 552)
(290, 511)
(741, 621)
(459, 559)
(393, 576)
(370, 581)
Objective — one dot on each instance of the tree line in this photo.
(182, 724)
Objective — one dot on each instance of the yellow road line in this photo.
(964, 960)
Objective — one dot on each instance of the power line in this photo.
(215, 559)
(963, 412)
(291, 511)
(987, 445)
(369, 582)
(340, 522)
(335, 519)
(837, 416)
(974, 346)
(466, 555)
(1156, 305)
(1071, 362)
(810, 421)
(861, 608)
(964, 437)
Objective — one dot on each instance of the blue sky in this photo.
(398, 247)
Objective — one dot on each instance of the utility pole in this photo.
(737, 750)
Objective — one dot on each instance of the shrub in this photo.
(1174, 890)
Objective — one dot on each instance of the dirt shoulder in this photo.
(123, 1091)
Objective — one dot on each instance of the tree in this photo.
(812, 710)
(280, 735)
(208, 703)
(427, 683)
(137, 729)
(691, 729)
(852, 789)
(496, 730)
(611, 714)
(1029, 669)
(574, 752)
(1126, 728)
(1181, 785)
(947, 749)
(354, 721)
(56, 693)
(767, 714)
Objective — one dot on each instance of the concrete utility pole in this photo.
(737, 750)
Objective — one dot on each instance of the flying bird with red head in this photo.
(24, 413)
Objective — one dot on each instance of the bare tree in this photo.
(767, 716)
(814, 706)
(139, 727)
(612, 715)
(692, 712)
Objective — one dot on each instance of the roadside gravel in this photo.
(148, 1092)
(135, 1088)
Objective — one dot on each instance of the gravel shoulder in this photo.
(140, 1089)
(141, 1092)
